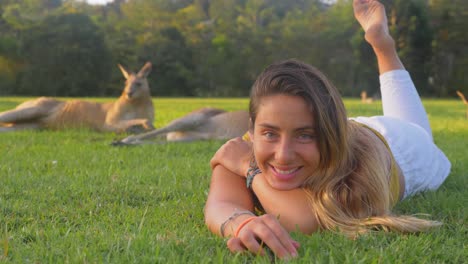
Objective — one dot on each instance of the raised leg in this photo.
(371, 16)
(400, 98)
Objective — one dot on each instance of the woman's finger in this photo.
(235, 245)
(250, 241)
(257, 234)
(281, 234)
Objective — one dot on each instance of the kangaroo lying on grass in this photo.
(132, 112)
(201, 124)
(365, 99)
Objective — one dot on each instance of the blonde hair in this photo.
(350, 191)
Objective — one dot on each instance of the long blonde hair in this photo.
(350, 191)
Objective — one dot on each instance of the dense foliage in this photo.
(217, 47)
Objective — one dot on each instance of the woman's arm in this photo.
(228, 195)
(234, 155)
(291, 207)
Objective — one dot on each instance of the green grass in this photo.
(67, 196)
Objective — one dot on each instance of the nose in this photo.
(285, 153)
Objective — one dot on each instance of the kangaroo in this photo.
(365, 99)
(132, 112)
(201, 124)
(462, 97)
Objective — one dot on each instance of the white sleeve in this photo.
(401, 100)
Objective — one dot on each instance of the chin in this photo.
(284, 186)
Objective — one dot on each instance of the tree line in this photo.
(218, 47)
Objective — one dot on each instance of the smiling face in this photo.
(299, 126)
(285, 141)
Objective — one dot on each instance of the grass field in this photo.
(68, 196)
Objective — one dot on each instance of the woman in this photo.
(313, 168)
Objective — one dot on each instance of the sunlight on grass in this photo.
(68, 196)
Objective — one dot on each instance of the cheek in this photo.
(311, 153)
(315, 154)
(257, 150)
(260, 151)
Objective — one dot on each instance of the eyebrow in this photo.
(266, 125)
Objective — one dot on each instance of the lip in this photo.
(285, 174)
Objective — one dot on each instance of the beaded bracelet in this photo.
(232, 217)
(251, 173)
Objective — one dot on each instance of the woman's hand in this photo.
(264, 230)
(234, 155)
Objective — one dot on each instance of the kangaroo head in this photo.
(136, 85)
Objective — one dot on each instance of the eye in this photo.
(269, 135)
(306, 137)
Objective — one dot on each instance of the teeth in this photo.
(285, 172)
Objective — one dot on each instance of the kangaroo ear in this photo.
(462, 97)
(145, 70)
(124, 72)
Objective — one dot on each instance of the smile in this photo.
(285, 174)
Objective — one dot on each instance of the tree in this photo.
(65, 55)
(409, 24)
(218, 47)
(450, 56)
(173, 69)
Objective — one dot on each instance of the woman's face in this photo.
(285, 141)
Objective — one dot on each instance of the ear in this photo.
(124, 72)
(145, 70)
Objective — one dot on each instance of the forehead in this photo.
(284, 110)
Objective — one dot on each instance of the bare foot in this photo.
(371, 15)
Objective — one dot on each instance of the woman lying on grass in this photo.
(312, 168)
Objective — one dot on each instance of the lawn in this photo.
(68, 196)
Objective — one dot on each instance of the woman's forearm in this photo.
(229, 213)
(228, 197)
(292, 207)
